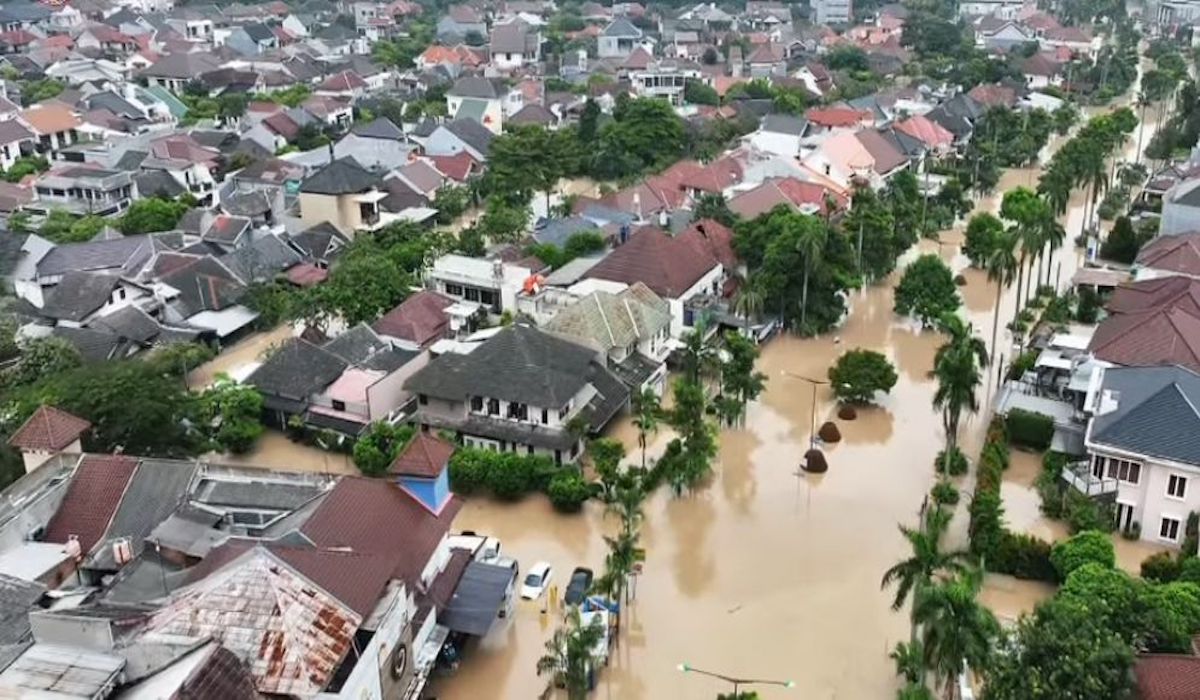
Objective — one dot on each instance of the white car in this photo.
(536, 581)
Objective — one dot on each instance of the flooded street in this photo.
(765, 573)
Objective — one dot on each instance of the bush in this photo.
(378, 447)
(1088, 546)
(859, 374)
(927, 291)
(1083, 513)
(1023, 556)
(1162, 567)
(568, 491)
(1029, 429)
(1088, 308)
(955, 465)
(1173, 612)
(507, 475)
(1022, 363)
(944, 494)
(1189, 571)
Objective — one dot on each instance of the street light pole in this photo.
(812, 435)
(733, 680)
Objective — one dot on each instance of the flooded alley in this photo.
(768, 572)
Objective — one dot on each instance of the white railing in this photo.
(1080, 476)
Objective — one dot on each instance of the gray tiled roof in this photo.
(622, 27)
(472, 133)
(157, 488)
(356, 345)
(79, 294)
(342, 176)
(297, 370)
(785, 124)
(381, 128)
(475, 86)
(1156, 412)
(122, 253)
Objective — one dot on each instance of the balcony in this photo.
(1079, 475)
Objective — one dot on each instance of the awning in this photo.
(482, 591)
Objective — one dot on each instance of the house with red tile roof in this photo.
(1042, 69)
(1167, 334)
(91, 500)
(1177, 254)
(838, 117)
(934, 136)
(46, 433)
(798, 195)
(994, 95)
(417, 322)
(347, 83)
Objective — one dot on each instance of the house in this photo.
(48, 432)
(1167, 676)
(779, 134)
(459, 23)
(84, 190)
(483, 100)
(55, 125)
(175, 70)
(15, 141)
(1042, 69)
(345, 194)
(1138, 439)
(420, 320)
(460, 136)
(291, 376)
(191, 24)
(1080, 41)
(832, 11)
(454, 59)
(81, 297)
(1001, 35)
(619, 39)
(1152, 322)
(514, 45)
(767, 60)
(519, 391)
(676, 268)
(665, 79)
(252, 39)
(632, 327)
(932, 136)
(1166, 256)
(491, 285)
(798, 195)
(1181, 208)
(375, 144)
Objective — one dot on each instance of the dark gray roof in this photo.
(262, 259)
(131, 160)
(906, 144)
(1156, 412)
(252, 203)
(389, 360)
(356, 345)
(12, 131)
(24, 12)
(533, 113)
(11, 251)
(478, 598)
(475, 86)
(183, 65)
(472, 133)
(621, 27)
(204, 285)
(558, 231)
(155, 491)
(320, 241)
(342, 176)
(520, 363)
(425, 127)
(17, 598)
(94, 344)
(79, 294)
(381, 128)
(258, 32)
(157, 183)
(114, 103)
(297, 370)
(122, 253)
(129, 322)
(785, 124)
(953, 122)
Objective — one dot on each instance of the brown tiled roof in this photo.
(378, 517)
(835, 116)
(994, 95)
(1158, 293)
(1179, 253)
(669, 266)
(91, 499)
(420, 319)
(1167, 677)
(885, 154)
(424, 456)
(1165, 336)
(713, 238)
(49, 429)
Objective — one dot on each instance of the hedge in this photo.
(509, 476)
(1029, 429)
(1002, 551)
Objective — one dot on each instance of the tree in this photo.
(691, 460)
(913, 575)
(956, 367)
(984, 232)
(1025, 210)
(645, 134)
(502, 222)
(1086, 547)
(528, 159)
(697, 93)
(647, 410)
(714, 206)
(232, 106)
(151, 215)
(927, 291)
(589, 122)
(450, 201)
(810, 237)
(26, 165)
(1001, 265)
(231, 413)
(61, 226)
(568, 656)
(740, 383)
(859, 374)
(956, 630)
(376, 449)
(1122, 243)
(42, 357)
(364, 284)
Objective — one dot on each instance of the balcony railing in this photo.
(1079, 475)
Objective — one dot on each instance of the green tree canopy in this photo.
(859, 374)
(927, 291)
(151, 215)
(1089, 546)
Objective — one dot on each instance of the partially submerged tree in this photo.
(859, 374)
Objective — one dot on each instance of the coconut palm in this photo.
(569, 654)
(810, 235)
(647, 410)
(1055, 186)
(956, 631)
(956, 367)
(1001, 268)
(750, 298)
(699, 358)
(1054, 235)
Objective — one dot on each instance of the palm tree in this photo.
(699, 358)
(956, 630)
(750, 298)
(1031, 244)
(956, 366)
(1054, 235)
(1143, 101)
(1001, 268)
(568, 654)
(647, 410)
(914, 574)
(811, 235)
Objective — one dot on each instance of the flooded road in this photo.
(765, 572)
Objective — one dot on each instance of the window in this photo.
(1176, 486)
(422, 399)
(477, 404)
(339, 405)
(454, 290)
(529, 449)
(493, 407)
(545, 416)
(1169, 529)
(472, 294)
(1124, 470)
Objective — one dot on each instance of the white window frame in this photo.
(1113, 468)
(1182, 481)
(1162, 522)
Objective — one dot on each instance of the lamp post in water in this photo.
(733, 680)
(812, 434)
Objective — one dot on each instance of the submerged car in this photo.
(577, 588)
(536, 581)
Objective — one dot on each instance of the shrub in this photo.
(955, 464)
(1162, 567)
(944, 494)
(1134, 532)
(1029, 429)
(859, 374)
(1088, 308)
(1083, 513)
(1173, 612)
(1023, 556)
(1022, 363)
(568, 491)
(1088, 546)
(507, 475)
(1189, 571)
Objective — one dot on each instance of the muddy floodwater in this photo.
(765, 572)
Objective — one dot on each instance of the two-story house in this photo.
(619, 39)
(84, 190)
(522, 390)
(481, 100)
(345, 194)
(514, 45)
(492, 284)
(1139, 444)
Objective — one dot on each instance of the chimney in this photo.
(637, 205)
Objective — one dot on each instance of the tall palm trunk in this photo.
(1020, 281)
(996, 317)
(1141, 130)
(804, 299)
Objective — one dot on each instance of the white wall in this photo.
(703, 286)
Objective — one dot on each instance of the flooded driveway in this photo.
(768, 573)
